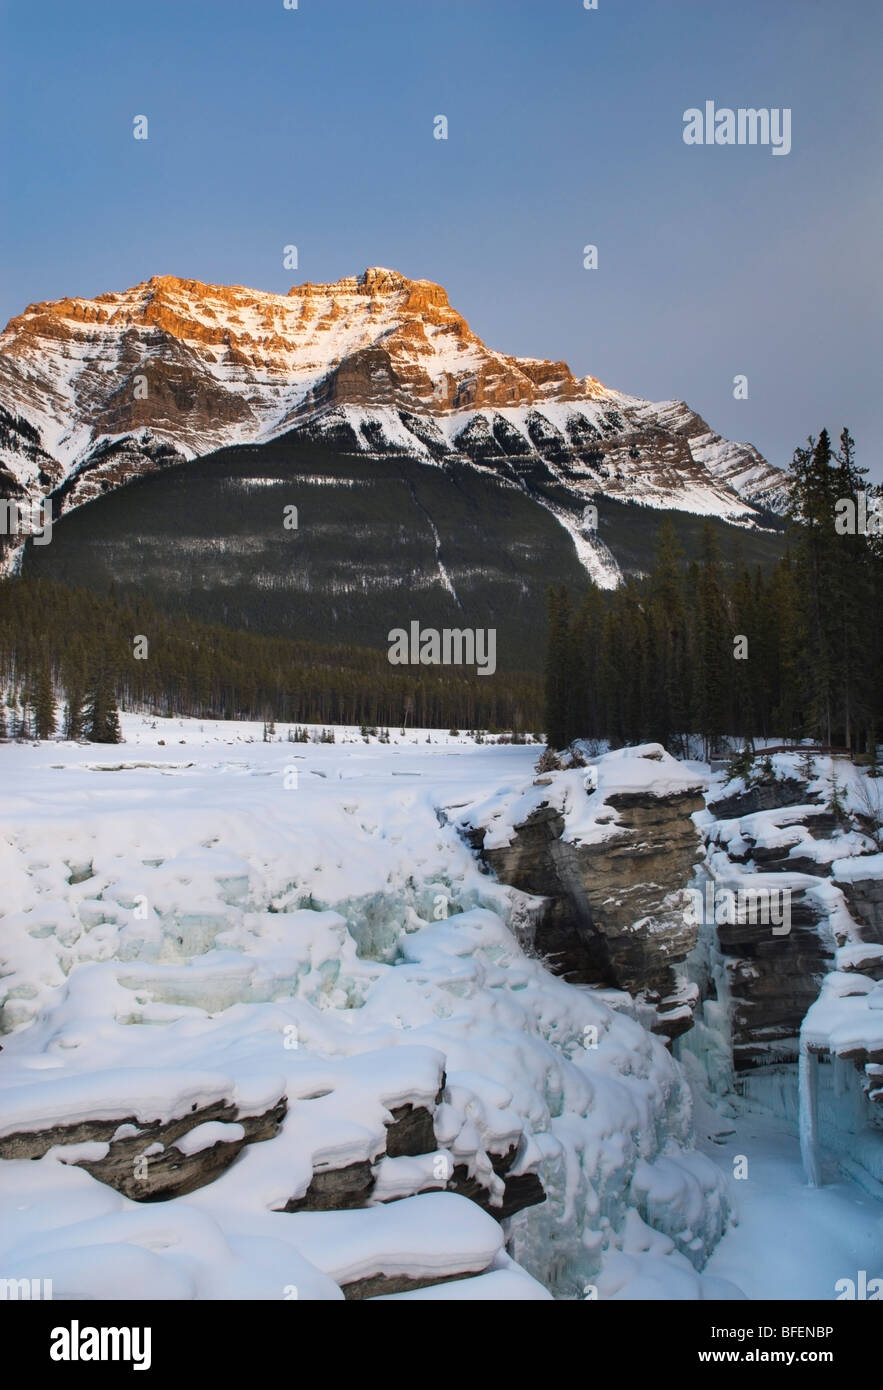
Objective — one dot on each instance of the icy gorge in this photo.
(427, 1023)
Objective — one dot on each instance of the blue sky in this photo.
(314, 127)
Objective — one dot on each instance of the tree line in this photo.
(713, 648)
(58, 642)
(30, 712)
(723, 651)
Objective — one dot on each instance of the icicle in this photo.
(808, 1082)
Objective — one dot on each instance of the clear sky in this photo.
(314, 127)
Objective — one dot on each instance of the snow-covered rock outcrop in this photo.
(805, 987)
(609, 849)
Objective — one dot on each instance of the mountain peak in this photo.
(375, 361)
(378, 282)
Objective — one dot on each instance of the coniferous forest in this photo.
(725, 651)
(713, 647)
(86, 649)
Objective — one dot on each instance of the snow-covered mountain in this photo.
(97, 391)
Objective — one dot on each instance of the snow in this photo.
(854, 870)
(859, 955)
(742, 468)
(829, 1098)
(504, 1283)
(113, 1093)
(848, 1014)
(786, 1239)
(273, 354)
(789, 1241)
(596, 558)
(205, 1135)
(180, 931)
(425, 1237)
(581, 795)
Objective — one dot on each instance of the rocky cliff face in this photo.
(607, 853)
(613, 911)
(97, 392)
(863, 890)
(777, 837)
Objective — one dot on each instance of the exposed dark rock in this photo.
(864, 1056)
(870, 963)
(864, 897)
(35, 1143)
(411, 1132)
(766, 796)
(770, 997)
(523, 1191)
(336, 1189)
(172, 1173)
(820, 824)
(604, 921)
(671, 1022)
(375, 1284)
(775, 978)
(147, 1166)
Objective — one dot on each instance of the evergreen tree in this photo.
(713, 646)
(634, 655)
(747, 671)
(102, 720)
(43, 702)
(667, 620)
(765, 657)
(789, 651)
(559, 686)
(837, 569)
(652, 660)
(806, 766)
(813, 502)
(586, 716)
(852, 578)
(73, 709)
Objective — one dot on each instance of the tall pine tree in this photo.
(43, 702)
(102, 720)
(713, 646)
(559, 667)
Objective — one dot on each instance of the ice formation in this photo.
(182, 933)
